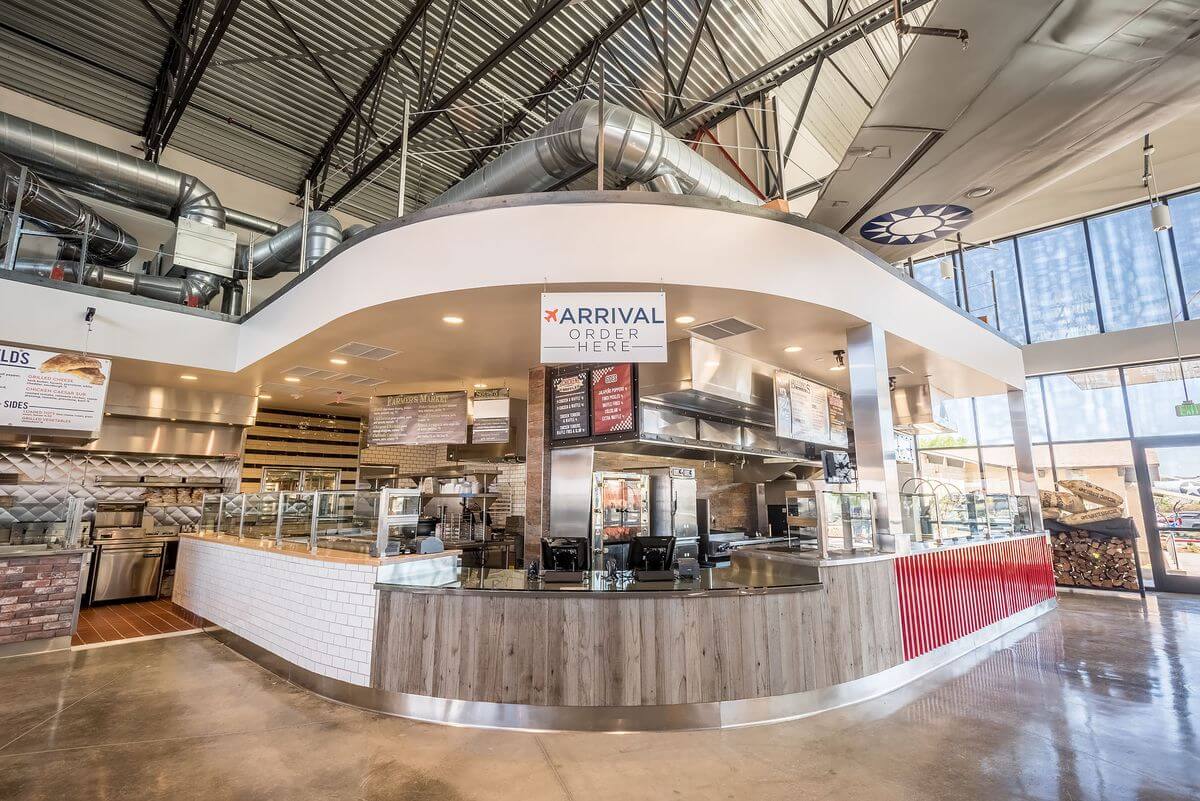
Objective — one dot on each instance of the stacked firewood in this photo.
(1088, 559)
(1083, 555)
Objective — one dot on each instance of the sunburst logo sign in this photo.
(916, 224)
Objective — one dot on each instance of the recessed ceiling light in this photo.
(291, 379)
(189, 377)
(980, 191)
(264, 397)
(172, 419)
(452, 319)
(793, 349)
(338, 361)
(685, 319)
(481, 386)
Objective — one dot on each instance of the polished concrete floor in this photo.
(1098, 700)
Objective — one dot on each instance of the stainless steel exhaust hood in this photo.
(922, 410)
(704, 377)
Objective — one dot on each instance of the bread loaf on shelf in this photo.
(1093, 493)
(1092, 516)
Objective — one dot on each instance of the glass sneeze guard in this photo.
(348, 521)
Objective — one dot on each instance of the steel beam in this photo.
(701, 21)
(373, 79)
(164, 125)
(435, 69)
(174, 61)
(587, 53)
(544, 14)
(779, 70)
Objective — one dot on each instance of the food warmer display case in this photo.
(830, 522)
(620, 512)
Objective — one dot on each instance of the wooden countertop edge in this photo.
(648, 595)
(321, 554)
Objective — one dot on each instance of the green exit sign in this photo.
(1188, 409)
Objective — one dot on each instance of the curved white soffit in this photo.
(635, 242)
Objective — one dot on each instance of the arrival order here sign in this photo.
(591, 327)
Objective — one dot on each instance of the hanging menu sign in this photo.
(49, 391)
(808, 411)
(569, 405)
(490, 409)
(422, 418)
(612, 399)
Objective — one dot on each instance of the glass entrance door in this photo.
(1168, 471)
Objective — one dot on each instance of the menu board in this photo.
(612, 399)
(51, 391)
(490, 414)
(422, 418)
(569, 405)
(808, 411)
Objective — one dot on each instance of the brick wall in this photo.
(37, 596)
(537, 468)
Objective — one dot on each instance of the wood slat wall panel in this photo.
(292, 447)
(312, 421)
(289, 442)
(640, 650)
(268, 432)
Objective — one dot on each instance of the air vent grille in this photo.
(316, 374)
(361, 350)
(898, 370)
(723, 328)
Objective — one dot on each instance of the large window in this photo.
(1083, 406)
(929, 273)
(1185, 214)
(1154, 390)
(1110, 272)
(1136, 287)
(1058, 284)
(996, 266)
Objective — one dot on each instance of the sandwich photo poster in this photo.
(44, 390)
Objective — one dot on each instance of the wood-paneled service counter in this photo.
(495, 648)
(773, 636)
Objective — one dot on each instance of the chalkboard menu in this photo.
(569, 405)
(491, 416)
(612, 399)
(808, 411)
(422, 418)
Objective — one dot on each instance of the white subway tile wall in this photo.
(318, 615)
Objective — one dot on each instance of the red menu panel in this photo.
(612, 399)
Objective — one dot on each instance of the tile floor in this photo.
(121, 621)
(1097, 701)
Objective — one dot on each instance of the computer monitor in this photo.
(652, 553)
(569, 554)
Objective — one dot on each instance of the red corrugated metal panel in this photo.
(945, 595)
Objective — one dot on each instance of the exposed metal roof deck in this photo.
(288, 90)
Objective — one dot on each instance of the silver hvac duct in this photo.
(61, 214)
(352, 231)
(282, 251)
(635, 147)
(196, 289)
(107, 174)
(251, 222)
